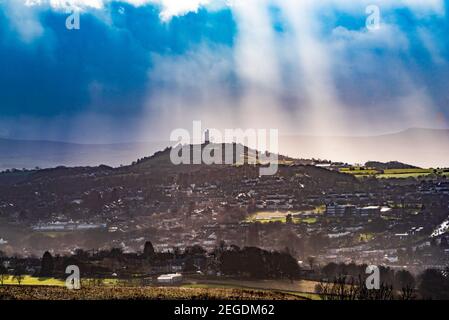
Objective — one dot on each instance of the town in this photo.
(314, 210)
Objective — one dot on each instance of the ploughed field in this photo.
(16, 292)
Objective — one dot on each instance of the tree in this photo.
(19, 274)
(47, 265)
(115, 253)
(289, 266)
(3, 273)
(330, 270)
(148, 250)
(253, 260)
(194, 250)
(311, 261)
(434, 285)
(404, 279)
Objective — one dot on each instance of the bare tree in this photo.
(311, 261)
(407, 293)
(3, 274)
(351, 289)
(19, 274)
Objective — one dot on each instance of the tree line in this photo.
(347, 281)
(247, 262)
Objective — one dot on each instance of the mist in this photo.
(295, 66)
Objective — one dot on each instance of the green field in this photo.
(402, 175)
(361, 172)
(281, 216)
(34, 281)
(366, 237)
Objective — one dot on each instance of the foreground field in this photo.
(302, 288)
(138, 293)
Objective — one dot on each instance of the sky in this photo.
(137, 69)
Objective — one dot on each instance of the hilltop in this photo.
(389, 165)
(238, 154)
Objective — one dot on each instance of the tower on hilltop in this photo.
(207, 136)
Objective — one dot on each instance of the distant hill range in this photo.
(49, 154)
(425, 148)
(418, 147)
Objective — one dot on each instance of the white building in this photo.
(172, 278)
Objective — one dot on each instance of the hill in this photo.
(388, 165)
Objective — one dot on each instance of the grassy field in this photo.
(392, 173)
(139, 293)
(365, 237)
(402, 175)
(33, 281)
(284, 220)
(307, 217)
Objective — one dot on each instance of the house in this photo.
(336, 209)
